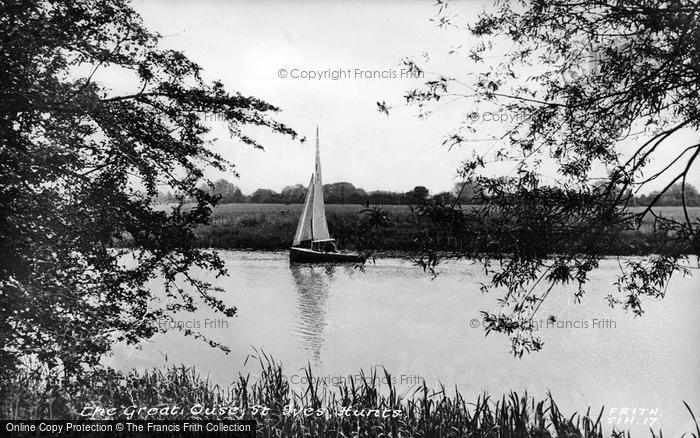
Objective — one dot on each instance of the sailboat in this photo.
(312, 241)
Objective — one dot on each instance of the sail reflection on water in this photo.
(312, 284)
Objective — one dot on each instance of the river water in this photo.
(340, 320)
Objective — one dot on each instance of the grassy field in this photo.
(423, 412)
(272, 227)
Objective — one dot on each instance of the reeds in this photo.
(355, 408)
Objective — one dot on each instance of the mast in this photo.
(319, 225)
(317, 169)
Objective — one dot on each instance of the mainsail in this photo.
(312, 224)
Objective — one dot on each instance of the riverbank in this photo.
(369, 406)
(272, 226)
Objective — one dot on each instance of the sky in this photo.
(268, 49)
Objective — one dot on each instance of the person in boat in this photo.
(329, 246)
(320, 246)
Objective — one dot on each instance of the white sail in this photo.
(319, 225)
(312, 223)
(304, 228)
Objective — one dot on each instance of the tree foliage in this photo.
(596, 85)
(293, 194)
(80, 166)
(226, 192)
(676, 195)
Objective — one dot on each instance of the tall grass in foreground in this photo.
(421, 413)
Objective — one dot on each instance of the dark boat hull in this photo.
(305, 255)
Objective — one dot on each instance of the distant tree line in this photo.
(672, 196)
(347, 193)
